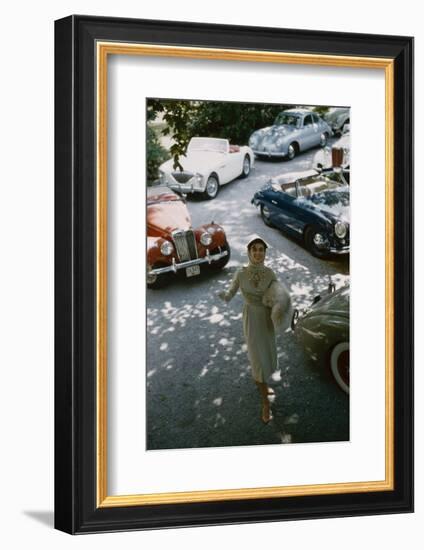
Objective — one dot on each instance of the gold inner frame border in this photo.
(103, 50)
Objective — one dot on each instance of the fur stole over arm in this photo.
(277, 297)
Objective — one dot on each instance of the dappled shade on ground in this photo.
(200, 392)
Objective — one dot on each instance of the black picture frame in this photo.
(76, 483)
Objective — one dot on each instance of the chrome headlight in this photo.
(279, 142)
(340, 229)
(206, 239)
(198, 180)
(166, 248)
(253, 140)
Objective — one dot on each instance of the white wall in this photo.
(26, 275)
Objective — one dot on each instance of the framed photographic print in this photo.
(234, 274)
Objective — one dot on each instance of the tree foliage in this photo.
(233, 121)
(156, 154)
(177, 116)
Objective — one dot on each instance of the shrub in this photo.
(156, 155)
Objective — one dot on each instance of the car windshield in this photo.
(208, 144)
(281, 185)
(287, 118)
(313, 188)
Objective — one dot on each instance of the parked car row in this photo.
(311, 205)
(210, 163)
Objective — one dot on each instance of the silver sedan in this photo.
(293, 131)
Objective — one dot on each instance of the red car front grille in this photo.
(185, 245)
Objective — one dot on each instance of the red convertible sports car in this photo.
(173, 245)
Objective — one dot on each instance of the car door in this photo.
(281, 208)
(272, 206)
(234, 162)
(295, 212)
(308, 133)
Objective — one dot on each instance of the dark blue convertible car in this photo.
(312, 206)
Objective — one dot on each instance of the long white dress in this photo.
(258, 327)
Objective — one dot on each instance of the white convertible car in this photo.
(207, 164)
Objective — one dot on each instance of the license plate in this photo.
(193, 270)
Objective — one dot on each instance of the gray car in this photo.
(338, 118)
(293, 131)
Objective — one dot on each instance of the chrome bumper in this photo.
(184, 187)
(343, 250)
(268, 154)
(174, 267)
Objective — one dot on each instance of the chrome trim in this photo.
(268, 154)
(185, 244)
(344, 250)
(187, 187)
(175, 267)
(184, 188)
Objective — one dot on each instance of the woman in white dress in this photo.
(258, 327)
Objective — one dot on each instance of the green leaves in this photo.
(156, 155)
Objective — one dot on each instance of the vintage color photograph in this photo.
(247, 253)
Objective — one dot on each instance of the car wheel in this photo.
(158, 281)
(291, 151)
(266, 215)
(246, 167)
(339, 363)
(212, 188)
(316, 241)
(323, 140)
(223, 261)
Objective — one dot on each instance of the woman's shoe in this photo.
(266, 413)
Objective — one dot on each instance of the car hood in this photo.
(336, 303)
(199, 162)
(275, 131)
(165, 216)
(334, 114)
(334, 204)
